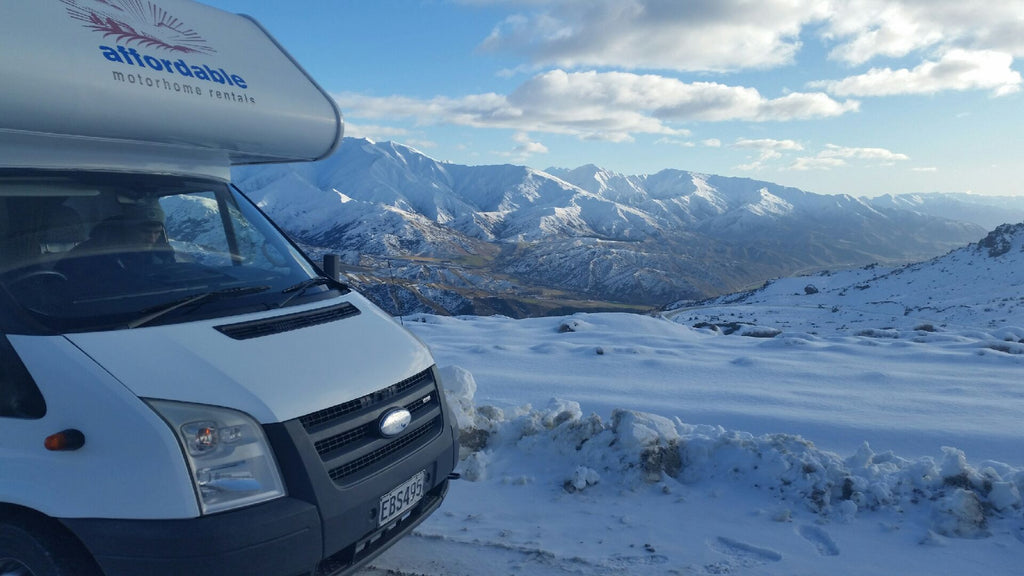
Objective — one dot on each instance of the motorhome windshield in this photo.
(86, 251)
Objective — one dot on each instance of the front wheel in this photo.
(37, 548)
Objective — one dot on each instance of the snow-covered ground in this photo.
(859, 427)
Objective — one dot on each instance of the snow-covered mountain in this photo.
(986, 211)
(482, 239)
(977, 286)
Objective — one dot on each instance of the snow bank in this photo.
(636, 448)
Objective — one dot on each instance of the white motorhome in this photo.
(181, 390)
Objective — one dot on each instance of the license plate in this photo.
(401, 499)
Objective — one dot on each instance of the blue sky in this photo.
(862, 97)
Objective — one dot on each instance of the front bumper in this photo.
(281, 537)
(336, 472)
(278, 538)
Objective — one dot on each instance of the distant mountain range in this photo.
(417, 234)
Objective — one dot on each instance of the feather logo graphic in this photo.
(139, 22)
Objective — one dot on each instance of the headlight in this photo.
(227, 452)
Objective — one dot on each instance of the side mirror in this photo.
(332, 266)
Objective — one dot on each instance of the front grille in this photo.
(382, 455)
(316, 419)
(347, 436)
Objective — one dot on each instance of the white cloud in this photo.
(867, 29)
(728, 35)
(817, 163)
(956, 70)
(526, 147)
(768, 144)
(609, 106)
(750, 167)
(374, 132)
(676, 142)
(582, 96)
(834, 156)
(833, 151)
(707, 35)
(768, 149)
(831, 156)
(968, 49)
(871, 28)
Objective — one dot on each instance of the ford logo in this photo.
(394, 422)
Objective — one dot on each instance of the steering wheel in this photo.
(25, 276)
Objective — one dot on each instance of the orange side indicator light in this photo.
(65, 440)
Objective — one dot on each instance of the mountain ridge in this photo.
(977, 286)
(454, 237)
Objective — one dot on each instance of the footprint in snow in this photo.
(746, 554)
(822, 541)
(623, 561)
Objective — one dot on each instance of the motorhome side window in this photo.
(19, 395)
(83, 252)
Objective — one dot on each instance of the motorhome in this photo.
(183, 390)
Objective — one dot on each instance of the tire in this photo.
(37, 547)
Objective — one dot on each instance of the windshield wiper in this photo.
(296, 290)
(156, 312)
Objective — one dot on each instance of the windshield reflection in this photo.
(83, 251)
